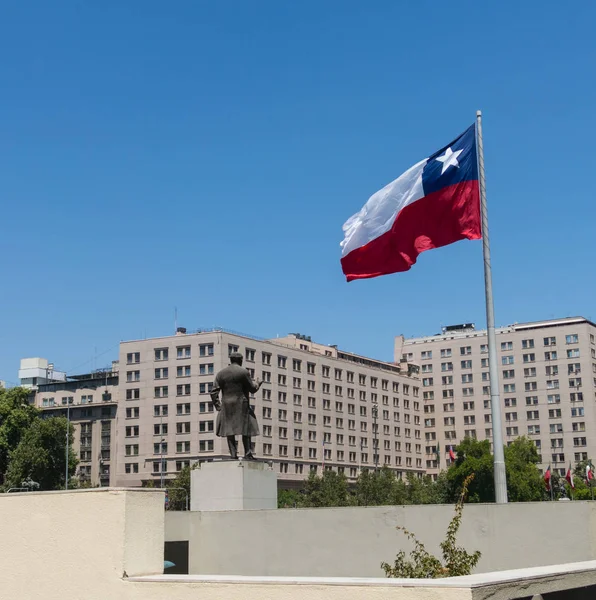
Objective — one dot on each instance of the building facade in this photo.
(547, 384)
(90, 403)
(318, 408)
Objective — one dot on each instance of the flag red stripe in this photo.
(439, 219)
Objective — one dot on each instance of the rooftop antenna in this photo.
(175, 319)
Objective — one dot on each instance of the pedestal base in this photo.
(233, 485)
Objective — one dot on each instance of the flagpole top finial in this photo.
(478, 113)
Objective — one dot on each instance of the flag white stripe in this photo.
(378, 215)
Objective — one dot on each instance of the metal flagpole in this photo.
(495, 401)
(67, 440)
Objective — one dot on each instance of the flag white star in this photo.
(449, 159)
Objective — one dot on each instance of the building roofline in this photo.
(383, 365)
(505, 329)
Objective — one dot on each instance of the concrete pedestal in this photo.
(233, 485)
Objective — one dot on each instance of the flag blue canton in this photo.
(452, 164)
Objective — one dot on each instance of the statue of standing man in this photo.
(234, 414)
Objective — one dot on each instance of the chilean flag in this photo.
(569, 477)
(547, 478)
(434, 203)
(452, 454)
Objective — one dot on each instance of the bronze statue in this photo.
(234, 413)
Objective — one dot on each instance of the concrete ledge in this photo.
(136, 490)
(503, 585)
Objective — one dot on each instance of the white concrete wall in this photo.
(83, 541)
(352, 542)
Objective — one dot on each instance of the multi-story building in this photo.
(318, 407)
(89, 402)
(547, 384)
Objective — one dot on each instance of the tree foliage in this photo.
(179, 490)
(41, 455)
(372, 488)
(32, 448)
(423, 565)
(473, 458)
(330, 489)
(16, 416)
(524, 480)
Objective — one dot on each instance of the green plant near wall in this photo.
(423, 565)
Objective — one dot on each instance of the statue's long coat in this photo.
(235, 417)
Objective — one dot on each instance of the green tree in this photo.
(41, 455)
(582, 490)
(179, 489)
(423, 490)
(16, 416)
(379, 488)
(525, 482)
(329, 489)
(290, 499)
(473, 458)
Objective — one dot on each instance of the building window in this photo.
(183, 390)
(133, 375)
(572, 339)
(132, 450)
(183, 371)
(161, 354)
(160, 391)
(183, 427)
(160, 410)
(183, 352)
(206, 427)
(160, 429)
(206, 350)
(132, 431)
(183, 409)
(206, 446)
(133, 358)
(161, 373)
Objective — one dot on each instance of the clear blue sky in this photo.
(205, 155)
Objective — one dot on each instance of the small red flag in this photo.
(569, 477)
(452, 454)
(547, 479)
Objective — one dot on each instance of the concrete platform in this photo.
(233, 485)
